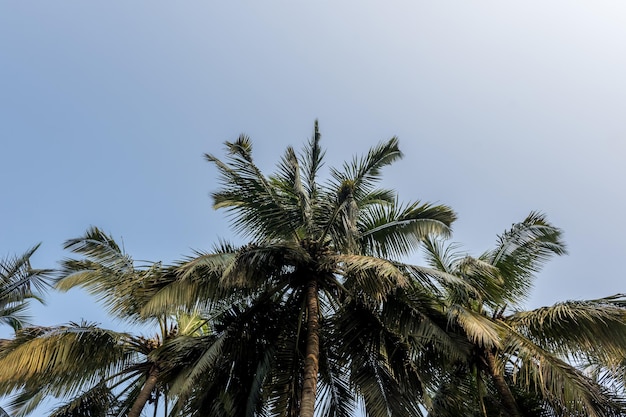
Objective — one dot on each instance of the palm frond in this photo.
(17, 281)
(373, 276)
(249, 197)
(561, 384)
(480, 280)
(108, 273)
(363, 173)
(101, 249)
(60, 360)
(313, 157)
(397, 230)
(291, 188)
(576, 329)
(25, 402)
(479, 329)
(335, 397)
(95, 402)
(522, 251)
(13, 314)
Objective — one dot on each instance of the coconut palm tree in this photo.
(99, 372)
(520, 363)
(19, 282)
(319, 292)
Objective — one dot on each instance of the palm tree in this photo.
(17, 281)
(323, 276)
(100, 372)
(521, 361)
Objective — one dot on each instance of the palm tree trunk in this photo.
(311, 361)
(506, 396)
(144, 394)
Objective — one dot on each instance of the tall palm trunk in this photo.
(144, 394)
(311, 361)
(506, 396)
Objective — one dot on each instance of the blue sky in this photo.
(501, 108)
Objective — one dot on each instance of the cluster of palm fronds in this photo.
(319, 314)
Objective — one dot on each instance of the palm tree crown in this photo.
(323, 258)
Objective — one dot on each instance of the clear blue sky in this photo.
(501, 108)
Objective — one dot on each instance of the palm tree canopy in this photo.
(323, 257)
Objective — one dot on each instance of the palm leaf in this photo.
(60, 360)
(397, 230)
(522, 251)
(96, 402)
(560, 383)
(576, 329)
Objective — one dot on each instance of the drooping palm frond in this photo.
(396, 230)
(336, 398)
(25, 402)
(567, 389)
(96, 402)
(480, 330)
(374, 277)
(66, 356)
(59, 362)
(377, 360)
(576, 329)
(236, 367)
